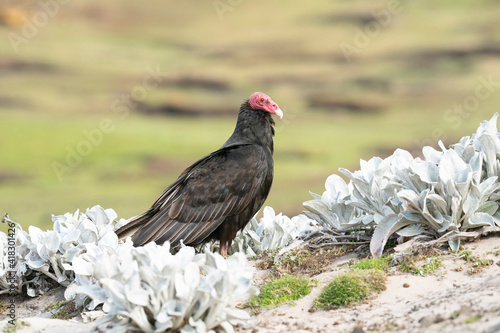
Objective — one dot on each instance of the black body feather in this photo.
(217, 195)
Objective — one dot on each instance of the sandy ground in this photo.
(451, 300)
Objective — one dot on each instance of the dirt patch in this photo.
(311, 262)
(431, 57)
(174, 109)
(335, 105)
(62, 309)
(11, 65)
(13, 103)
(351, 18)
(372, 84)
(284, 50)
(12, 177)
(49, 305)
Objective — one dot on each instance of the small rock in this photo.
(429, 320)
(415, 308)
(467, 309)
(406, 285)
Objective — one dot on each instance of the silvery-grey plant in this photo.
(152, 290)
(46, 256)
(447, 192)
(271, 232)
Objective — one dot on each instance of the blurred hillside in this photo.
(107, 102)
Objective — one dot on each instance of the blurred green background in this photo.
(82, 123)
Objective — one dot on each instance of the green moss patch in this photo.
(380, 263)
(430, 265)
(285, 289)
(350, 287)
(62, 309)
(475, 264)
(472, 319)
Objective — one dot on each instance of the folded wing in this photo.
(219, 185)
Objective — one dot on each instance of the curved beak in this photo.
(278, 112)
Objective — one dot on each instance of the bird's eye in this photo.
(262, 100)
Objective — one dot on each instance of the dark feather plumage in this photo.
(217, 195)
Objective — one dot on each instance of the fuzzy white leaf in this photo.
(385, 228)
(411, 230)
(82, 267)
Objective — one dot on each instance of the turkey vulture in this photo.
(219, 194)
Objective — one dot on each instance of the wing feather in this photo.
(221, 184)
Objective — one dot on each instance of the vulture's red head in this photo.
(260, 101)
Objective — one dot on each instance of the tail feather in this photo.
(154, 231)
(132, 226)
(145, 228)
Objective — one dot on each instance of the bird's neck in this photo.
(253, 126)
